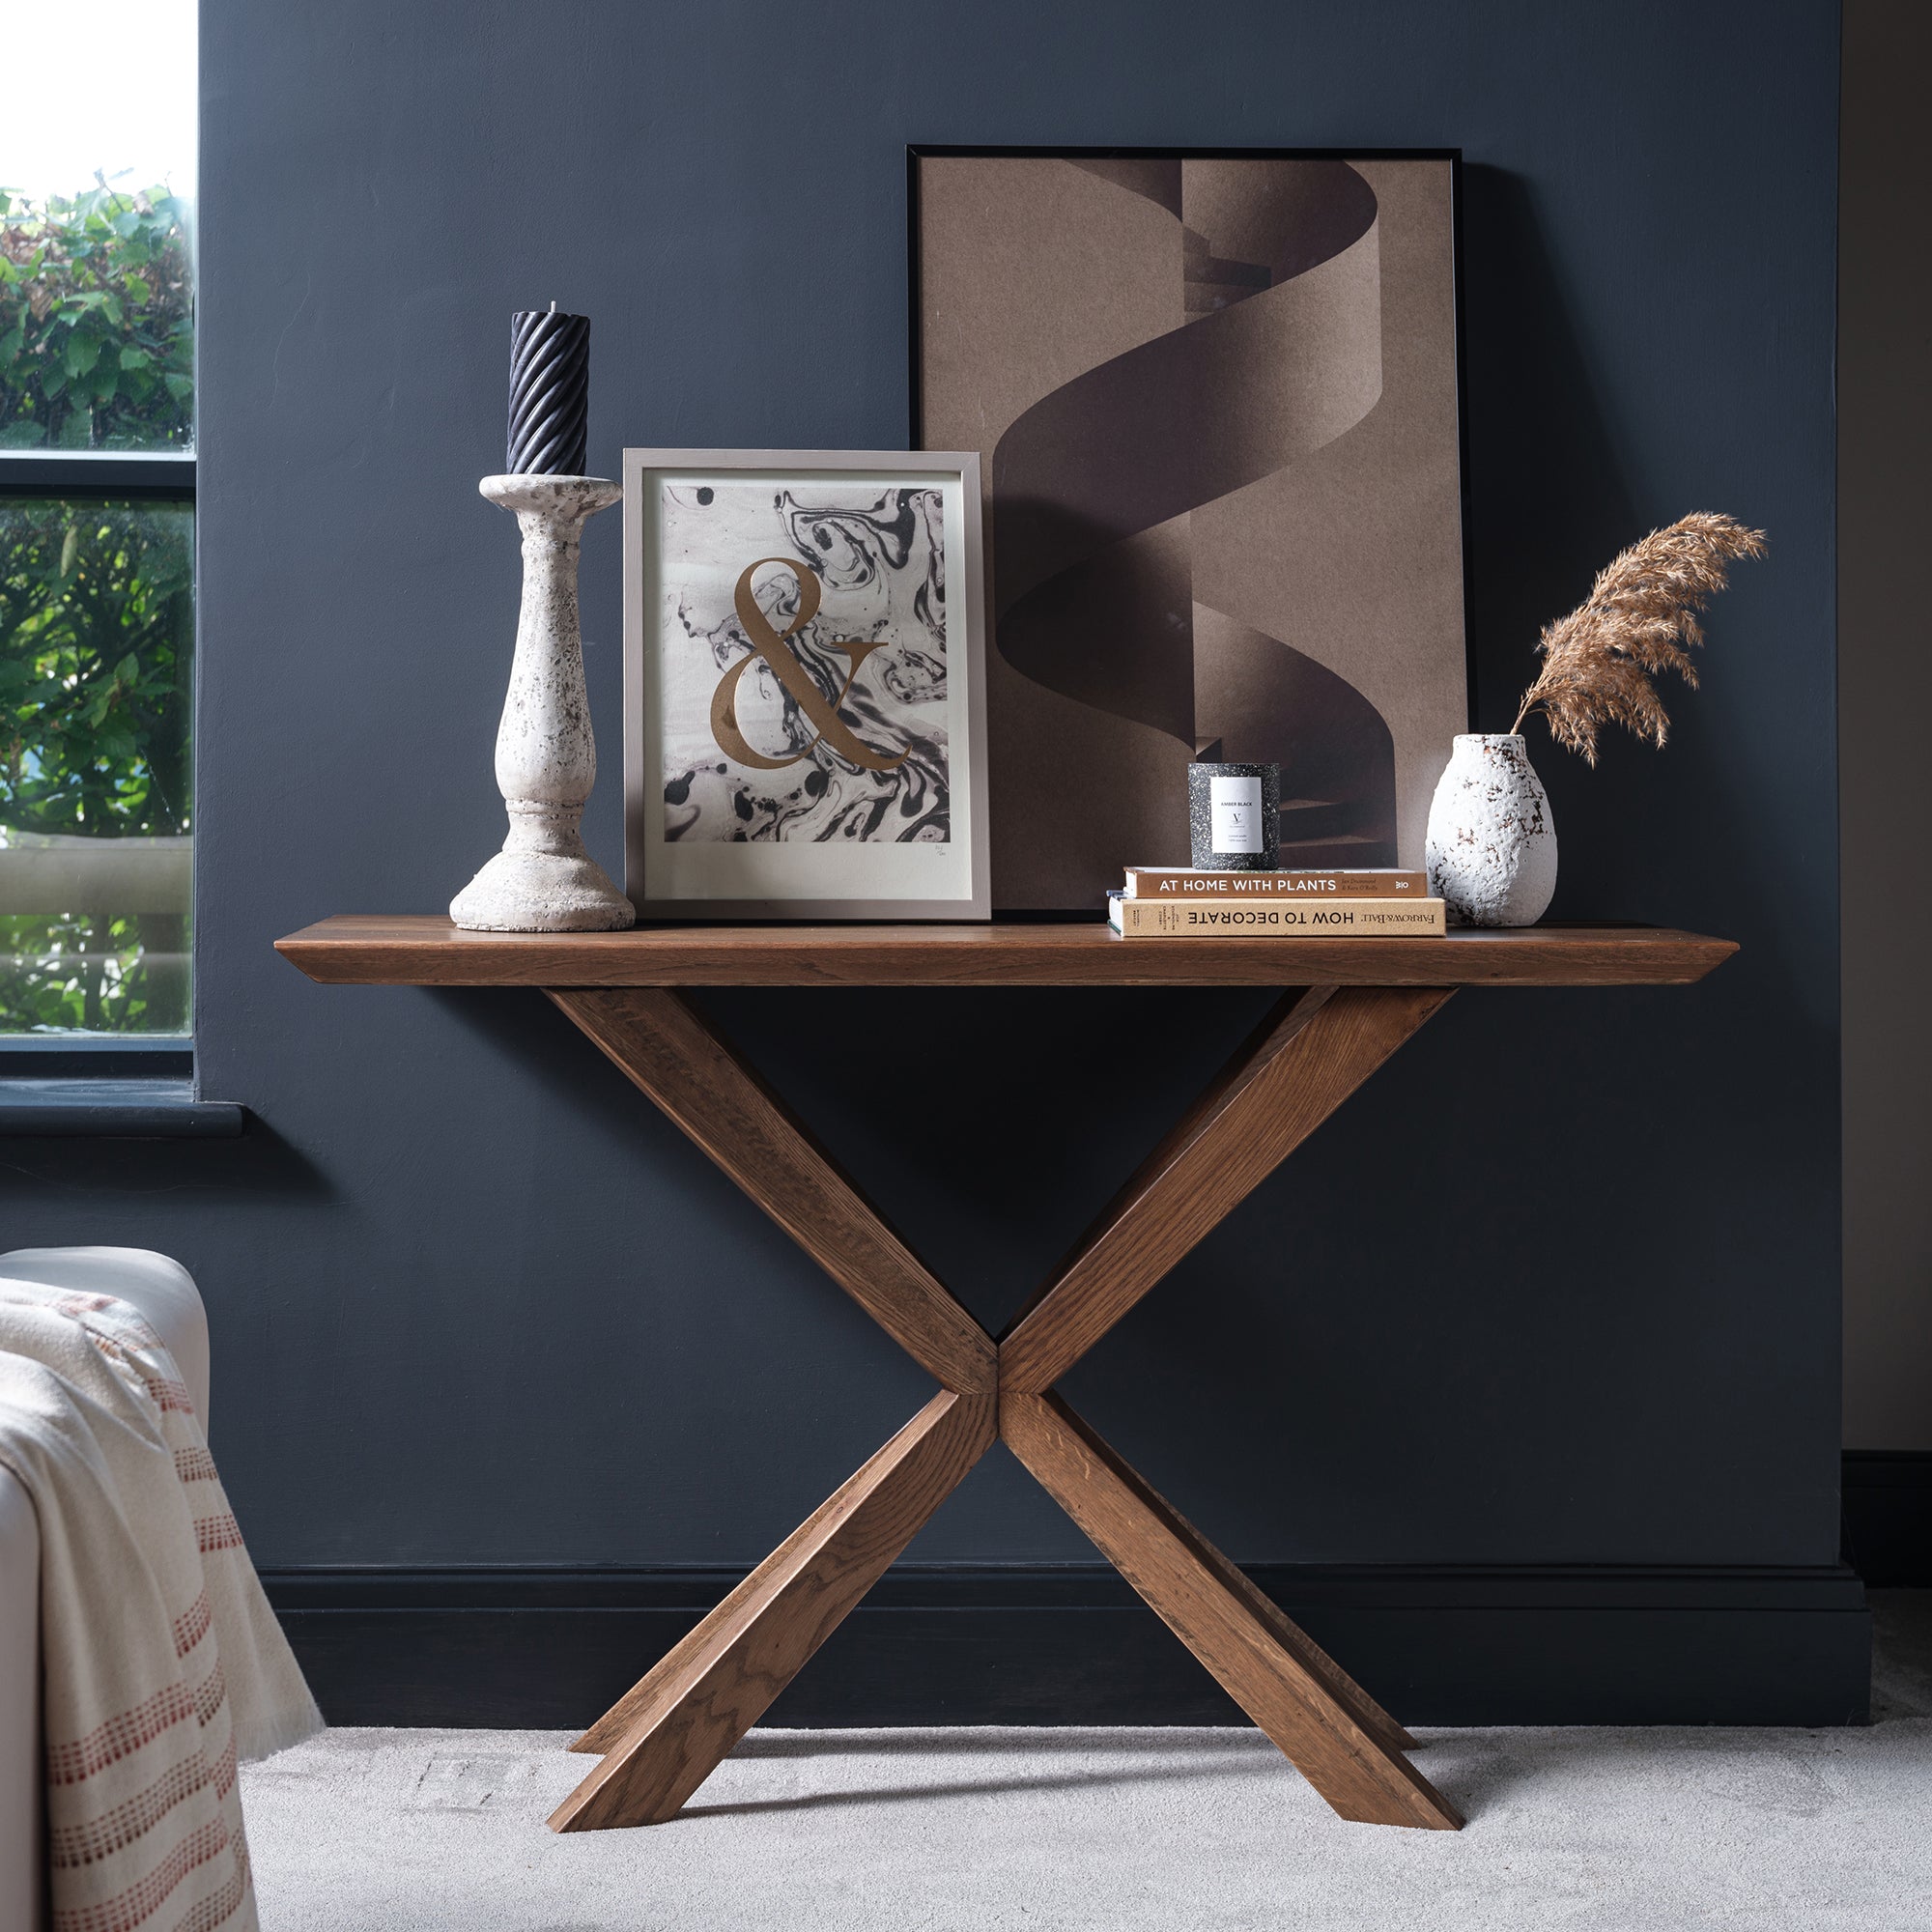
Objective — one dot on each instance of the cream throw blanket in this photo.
(163, 1661)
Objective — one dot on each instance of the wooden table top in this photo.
(367, 949)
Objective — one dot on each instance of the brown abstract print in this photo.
(1215, 403)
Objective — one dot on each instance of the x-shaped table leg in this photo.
(659, 1742)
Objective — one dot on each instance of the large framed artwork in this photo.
(1216, 397)
(804, 685)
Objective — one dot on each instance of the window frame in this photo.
(130, 1060)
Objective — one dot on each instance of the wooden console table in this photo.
(1317, 1044)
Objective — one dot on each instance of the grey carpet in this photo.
(1597, 1830)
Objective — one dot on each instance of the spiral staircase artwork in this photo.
(1243, 300)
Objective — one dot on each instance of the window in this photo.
(96, 539)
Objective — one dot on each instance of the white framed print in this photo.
(804, 685)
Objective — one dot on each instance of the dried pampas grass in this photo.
(1641, 613)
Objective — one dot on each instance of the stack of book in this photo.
(1168, 903)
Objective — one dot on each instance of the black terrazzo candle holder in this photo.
(1233, 818)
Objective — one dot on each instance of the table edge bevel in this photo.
(363, 949)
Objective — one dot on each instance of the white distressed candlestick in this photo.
(543, 880)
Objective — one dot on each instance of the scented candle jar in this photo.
(1231, 816)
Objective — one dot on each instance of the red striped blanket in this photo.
(162, 1663)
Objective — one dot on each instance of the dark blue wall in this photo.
(475, 1303)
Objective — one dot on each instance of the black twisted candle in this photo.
(549, 391)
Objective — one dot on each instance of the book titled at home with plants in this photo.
(1180, 882)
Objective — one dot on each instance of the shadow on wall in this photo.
(932, 1099)
(1545, 490)
(1548, 505)
(130, 1191)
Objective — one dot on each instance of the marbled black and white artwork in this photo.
(803, 663)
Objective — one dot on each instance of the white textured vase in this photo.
(1492, 850)
(543, 880)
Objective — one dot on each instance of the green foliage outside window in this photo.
(97, 325)
(94, 681)
(96, 701)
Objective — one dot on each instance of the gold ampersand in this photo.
(768, 644)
